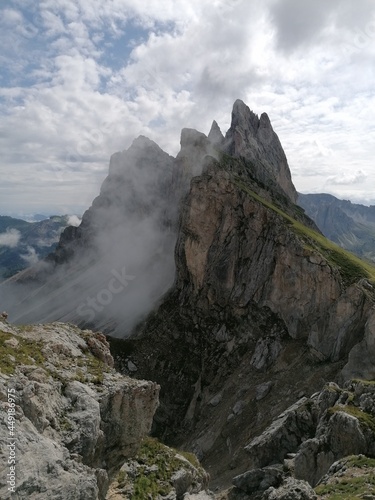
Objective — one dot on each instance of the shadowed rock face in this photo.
(255, 304)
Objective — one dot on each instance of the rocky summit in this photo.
(212, 283)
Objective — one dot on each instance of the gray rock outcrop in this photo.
(350, 477)
(259, 296)
(291, 489)
(283, 436)
(160, 472)
(312, 435)
(254, 139)
(257, 480)
(76, 419)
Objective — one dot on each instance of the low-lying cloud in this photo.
(10, 238)
(30, 257)
(124, 262)
(74, 220)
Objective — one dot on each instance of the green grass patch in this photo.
(163, 464)
(361, 462)
(351, 267)
(366, 420)
(96, 369)
(27, 352)
(369, 383)
(347, 488)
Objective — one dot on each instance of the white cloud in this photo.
(85, 78)
(347, 178)
(74, 220)
(31, 257)
(10, 238)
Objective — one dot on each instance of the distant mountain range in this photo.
(23, 243)
(350, 225)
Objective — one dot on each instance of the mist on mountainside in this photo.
(109, 272)
(24, 243)
(118, 261)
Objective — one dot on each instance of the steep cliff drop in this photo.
(263, 311)
(258, 310)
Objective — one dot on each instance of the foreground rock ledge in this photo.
(77, 420)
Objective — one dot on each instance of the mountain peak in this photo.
(215, 136)
(194, 147)
(264, 121)
(243, 117)
(191, 137)
(254, 139)
(143, 141)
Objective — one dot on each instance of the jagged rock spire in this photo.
(215, 136)
(254, 139)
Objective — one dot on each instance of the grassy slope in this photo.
(354, 481)
(351, 267)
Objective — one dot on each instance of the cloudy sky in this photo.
(80, 79)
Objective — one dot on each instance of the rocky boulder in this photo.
(291, 489)
(313, 434)
(351, 477)
(158, 471)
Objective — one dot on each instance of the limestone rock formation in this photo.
(132, 224)
(162, 473)
(215, 135)
(259, 297)
(254, 139)
(76, 419)
(258, 312)
(306, 441)
(351, 477)
(291, 489)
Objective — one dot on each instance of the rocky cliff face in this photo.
(263, 309)
(350, 225)
(70, 421)
(254, 139)
(131, 229)
(307, 443)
